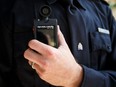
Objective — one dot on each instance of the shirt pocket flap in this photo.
(100, 41)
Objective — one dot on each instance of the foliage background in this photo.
(112, 4)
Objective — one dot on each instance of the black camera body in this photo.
(45, 30)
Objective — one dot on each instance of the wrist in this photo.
(77, 77)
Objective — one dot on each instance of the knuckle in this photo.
(46, 66)
(50, 53)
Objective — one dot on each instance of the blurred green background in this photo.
(112, 4)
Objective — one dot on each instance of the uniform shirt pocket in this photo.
(100, 41)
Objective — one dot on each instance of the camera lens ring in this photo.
(45, 11)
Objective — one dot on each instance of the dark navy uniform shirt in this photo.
(89, 30)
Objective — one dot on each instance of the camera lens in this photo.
(45, 11)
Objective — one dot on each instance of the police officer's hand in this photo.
(56, 66)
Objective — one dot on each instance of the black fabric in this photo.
(79, 21)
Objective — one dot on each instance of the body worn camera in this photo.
(45, 29)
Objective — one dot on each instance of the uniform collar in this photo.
(76, 3)
(81, 4)
(69, 1)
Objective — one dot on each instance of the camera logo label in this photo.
(45, 27)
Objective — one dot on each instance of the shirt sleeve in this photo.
(106, 77)
(93, 78)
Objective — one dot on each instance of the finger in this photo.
(38, 69)
(34, 57)
(41, 48)
(32, 64)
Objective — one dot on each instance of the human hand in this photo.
(56, 66)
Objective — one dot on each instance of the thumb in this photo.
(61, 39)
